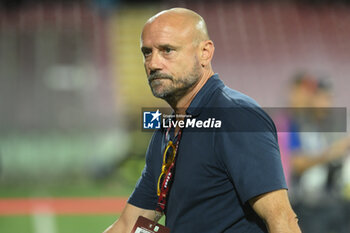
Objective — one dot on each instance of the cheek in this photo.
(180, 67)
(146, 68)
(188, 65)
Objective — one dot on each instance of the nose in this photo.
(155, 62)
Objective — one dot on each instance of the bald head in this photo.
(186, 21)
(177, 53)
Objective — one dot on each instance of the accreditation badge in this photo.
(144, 225)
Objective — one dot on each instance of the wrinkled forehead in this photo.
(170, 30)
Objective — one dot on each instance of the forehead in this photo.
(164, 33)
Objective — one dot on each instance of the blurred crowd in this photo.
(315, 157)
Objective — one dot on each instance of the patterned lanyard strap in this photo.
(169, 176)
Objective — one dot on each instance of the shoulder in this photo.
(240, 109)
(233, 98)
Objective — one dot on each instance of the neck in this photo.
(184, 102)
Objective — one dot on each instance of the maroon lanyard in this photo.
(169, 176)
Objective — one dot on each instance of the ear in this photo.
(207, 52)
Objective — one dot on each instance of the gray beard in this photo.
(179, 87)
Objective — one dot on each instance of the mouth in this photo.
(153, 79)
(157, 78)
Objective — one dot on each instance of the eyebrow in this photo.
(162, 46)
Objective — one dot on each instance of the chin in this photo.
(162, 94)
(158, 89)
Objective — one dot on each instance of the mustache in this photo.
(158, 75)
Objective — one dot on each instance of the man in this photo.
(224, 182)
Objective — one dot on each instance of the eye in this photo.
(168, 50)
(146, 52)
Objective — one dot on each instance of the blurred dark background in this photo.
(72, 86)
